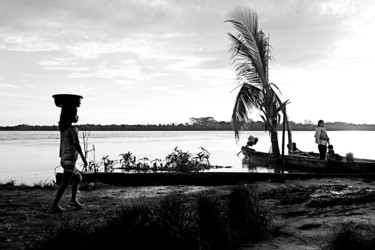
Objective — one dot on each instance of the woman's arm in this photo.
(78, 146)
(79, 149)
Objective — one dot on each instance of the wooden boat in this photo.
(308, 163)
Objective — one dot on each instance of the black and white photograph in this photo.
(187, 124)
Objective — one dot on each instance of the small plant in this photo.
(127, 161)
(202, 159)
(108, 164)
(93, 166)
(155, 166)
(181, 161)
(142, 166)
(85, 141)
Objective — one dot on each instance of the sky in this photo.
(165, 61)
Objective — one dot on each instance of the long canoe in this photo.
(308, 163)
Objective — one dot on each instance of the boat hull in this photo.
(304, 164)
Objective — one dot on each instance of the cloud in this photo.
(67, 64)
(115, 48)
(3, 85)
(119, 26)
(158, 88)
(59, 62)
(305, 32)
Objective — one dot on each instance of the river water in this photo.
(28, 157)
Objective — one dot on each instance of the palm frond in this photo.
(275, 86)
(241, 57)
(247, 100)
(282, 105)
(250, 44)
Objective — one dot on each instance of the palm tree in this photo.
(250, 51)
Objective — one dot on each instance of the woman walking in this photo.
(69, 151)
(322, 139)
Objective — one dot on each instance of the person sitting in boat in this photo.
(294, 148)
(295, 151)
(331, 156)
(330, 153)
(251, 141)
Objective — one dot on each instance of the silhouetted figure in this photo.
(331, 155)
(321, 138)
(251, 141)
(69, 151)
(296, 152)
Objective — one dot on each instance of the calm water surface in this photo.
(32, 156)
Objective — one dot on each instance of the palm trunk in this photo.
(272, 128)
(275, 148)
(275, 143)
(272, 125)
(290, 139)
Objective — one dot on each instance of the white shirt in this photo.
(321, 136)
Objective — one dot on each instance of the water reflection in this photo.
(253, 168)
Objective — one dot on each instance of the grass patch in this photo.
(90, 186)
(49, 184)
(10, 183)
(207, 220)
(352, 236)
(360, 197)
(290, 196)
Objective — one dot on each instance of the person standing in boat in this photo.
(322, 139)
(69, 151)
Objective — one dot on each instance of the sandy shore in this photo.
(306, 210)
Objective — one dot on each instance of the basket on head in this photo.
(62, 100)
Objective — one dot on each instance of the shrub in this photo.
(204, 221)
(66, 235)
(181, 161)
(247, 218)
(213, 221)
(352, 236)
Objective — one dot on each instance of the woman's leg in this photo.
(322, 151)
(77, 178)
(64, 184)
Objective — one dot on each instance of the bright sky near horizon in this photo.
(165, 61)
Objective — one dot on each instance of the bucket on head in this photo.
(62, 100)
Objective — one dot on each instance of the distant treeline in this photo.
(203, 123)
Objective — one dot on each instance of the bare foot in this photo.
(76, 204)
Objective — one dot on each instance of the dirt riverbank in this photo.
(307, 211)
